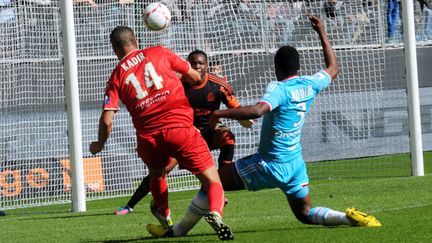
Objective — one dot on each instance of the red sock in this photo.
(216, 197)
(159, 190)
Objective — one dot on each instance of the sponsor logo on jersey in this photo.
(158, 97)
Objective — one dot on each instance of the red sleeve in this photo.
(178, 64)
(111, 99)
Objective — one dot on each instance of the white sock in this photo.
(327, 216)
(196, 210)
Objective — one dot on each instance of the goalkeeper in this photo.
(278, 162)
(204, 97)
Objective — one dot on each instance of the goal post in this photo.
(416, 144)
(73, 106)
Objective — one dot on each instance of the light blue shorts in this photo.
(291, 177)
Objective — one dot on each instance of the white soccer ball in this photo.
(157, 16)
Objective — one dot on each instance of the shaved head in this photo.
(122, 40)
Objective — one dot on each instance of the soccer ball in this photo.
(156, 16)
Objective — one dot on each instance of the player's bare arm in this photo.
(234, 104)
(105, 129)
(241, 113)
(192, 77)
(329, 55)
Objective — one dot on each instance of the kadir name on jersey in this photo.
(131, 62)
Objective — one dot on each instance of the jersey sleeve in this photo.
(111, 99)
(320, 80)
(178, 64)
(229, 99)
(274, 95)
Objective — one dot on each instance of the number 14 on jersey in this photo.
(151, 79)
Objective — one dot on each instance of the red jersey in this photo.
(145, 82)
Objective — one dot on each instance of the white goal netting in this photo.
(362, 115)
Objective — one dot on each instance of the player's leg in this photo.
(193, 154)
(211, 183)
(305, 213)
(230, 178)
(250, 169)
(151, 150)
(159, 189)
(142, 191)
(297, 192)
(224, 140)
(199, 207)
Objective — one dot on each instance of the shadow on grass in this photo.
(196, 237)
(151, 239)
(70, 216)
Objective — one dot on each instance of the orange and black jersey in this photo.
(207, 97)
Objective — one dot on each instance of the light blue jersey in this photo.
(289, 101)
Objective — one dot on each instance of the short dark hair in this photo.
(197, 52)
(121, 36)
(287, 60)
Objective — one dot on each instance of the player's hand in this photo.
(246, 123)
(317, 23)
(96, 147)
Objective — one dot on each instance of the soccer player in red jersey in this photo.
(145, 81)
(205, 97)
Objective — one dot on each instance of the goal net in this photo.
(358, 119)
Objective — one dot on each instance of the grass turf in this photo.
(402, 204)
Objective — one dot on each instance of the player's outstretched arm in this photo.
(329, 55)
(241, 113)
(231, 101)
(192, 77)
(105, 128)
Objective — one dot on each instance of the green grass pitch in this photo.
(402, 204)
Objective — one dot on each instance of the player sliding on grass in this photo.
(146, 82)
(279, 162)
(205, 97)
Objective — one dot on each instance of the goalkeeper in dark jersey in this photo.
(204, 98)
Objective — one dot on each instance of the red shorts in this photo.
(184, 143)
